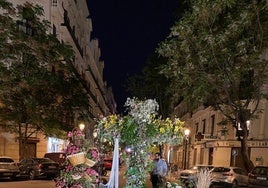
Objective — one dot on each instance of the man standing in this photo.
(158, 175)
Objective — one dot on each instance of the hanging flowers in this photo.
(139, 130)
(78, 171)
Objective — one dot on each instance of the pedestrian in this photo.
(159, 172)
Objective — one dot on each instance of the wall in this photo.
(222, 156)
(259, 153)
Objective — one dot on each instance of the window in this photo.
(54, 3)
(202, 152)
(25, 26)
(212, 125)
(204, 126)
(196, 128)
(54, 30)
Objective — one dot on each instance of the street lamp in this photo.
(81, 126)
(186, 138)
(187, 133)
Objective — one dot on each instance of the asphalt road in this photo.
(27, 184)
(42, 183)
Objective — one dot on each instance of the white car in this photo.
(8, 168)
(189, 176)
(229, 176)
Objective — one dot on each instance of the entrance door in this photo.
(28, 150)
(210, 156)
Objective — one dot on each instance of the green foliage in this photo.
(39, 90)
(129, 132)
(139, 131)
(216, 57)
(214, 53)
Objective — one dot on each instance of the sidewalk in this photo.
(171, 177)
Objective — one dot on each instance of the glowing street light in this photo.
(81, 126)
(186, 134)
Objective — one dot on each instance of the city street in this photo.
(27, 184)
(22, 183)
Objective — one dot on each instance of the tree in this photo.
(39, 89)
(151, 84)
(216, 57)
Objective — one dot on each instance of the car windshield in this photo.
(201, 167)
(221, 169)
(6, 160)
(44, 160)
(260, 171)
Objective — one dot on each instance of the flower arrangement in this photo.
(78, 171)
(141, 128)
(142, 121)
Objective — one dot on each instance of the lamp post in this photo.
(186, 138)
(81, 126)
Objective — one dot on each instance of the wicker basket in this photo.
(87, 177)
(76, 159)
(89, 162)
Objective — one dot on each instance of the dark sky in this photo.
(128, 32)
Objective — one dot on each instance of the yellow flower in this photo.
(106, 125)
(162, 130)
(113, 119)
(176, 129)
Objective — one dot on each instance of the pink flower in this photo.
(69, 168)
(70, 135)
(94, 154)
(78, 133)
(91, 172)
(72, 149)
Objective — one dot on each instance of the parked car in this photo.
(229, 176)
(189, 176)
(258, 177)
(38, 167)
(8, 168)
(58, 157)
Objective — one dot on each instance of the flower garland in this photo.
(139, 131)
(78, 169)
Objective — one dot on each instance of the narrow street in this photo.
(27, 184)
(22, 183)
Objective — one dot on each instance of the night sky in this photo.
(128, 33)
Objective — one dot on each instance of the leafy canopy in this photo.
(39, 88)
(215, 54)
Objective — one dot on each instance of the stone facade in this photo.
(70, 22)
(212, 144)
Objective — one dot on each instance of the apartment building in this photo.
(213, 144)
(71, 23)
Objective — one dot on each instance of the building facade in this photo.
(71, 23)
(210, 143)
